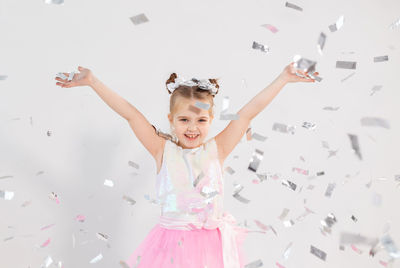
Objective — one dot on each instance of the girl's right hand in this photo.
(83, 78)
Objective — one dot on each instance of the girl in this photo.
(193, 230)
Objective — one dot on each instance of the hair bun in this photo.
(215, 82)
(171, 79)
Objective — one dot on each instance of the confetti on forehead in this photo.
(194, 109)
(202, 105)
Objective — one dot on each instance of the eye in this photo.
(183, 119)
(203, 120)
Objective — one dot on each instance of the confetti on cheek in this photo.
(270, 27)
(97, 258)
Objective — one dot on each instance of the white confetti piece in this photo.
(108, 183)
(336, 26)
(6, 195)
(97, 258)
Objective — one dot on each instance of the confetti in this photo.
(229, 170)
(262, 176)
(283, 128)
(353, 218)
(194, 109)
(303, 64)
(337, 25)
(395, 24)
(101, 236)
(347, 77)
(54, 2)
(353, 247)
(124, 265)
(248, 134)
(375, 121)
(49, 133)
(287, 251)
(309, 125)
(375, 89)
(6, 195)
(258, 137)
(354, 145)
(270, 27)
(139, 19)
(261, 225)
(129, 200)
(255, 160)
(290, 5)
(108, 183)
(288, 223)
(241, 198)
(279, 265)
(53, 196)
(289, 184)
(71, 76)
(47, 226)
(6, 177)
(389, 246)
(261, 47)
(300, 171)
(321, 42)
(225, 106)
(47, 262)
(97, 258)
(3, 77)
(254, 264)
(330, 108)
(346, 64)
(381, 58)
(317, 252)
(328, 222)
(284, 213)
(133, 164)
(329, 189)
(62, 76)
(46, 243)
(199, 177)
(80, 218)
(202, 105)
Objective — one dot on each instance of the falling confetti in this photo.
(139, 19)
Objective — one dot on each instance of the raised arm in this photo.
(143, 130)
(228, 138)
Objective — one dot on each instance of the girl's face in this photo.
(190, 124)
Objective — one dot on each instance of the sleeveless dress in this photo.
(193, 230)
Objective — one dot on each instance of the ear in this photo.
(170, 118)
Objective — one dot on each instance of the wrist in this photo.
(93, 81)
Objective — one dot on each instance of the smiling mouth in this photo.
(191, 137)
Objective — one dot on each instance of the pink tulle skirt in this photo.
(167, 248)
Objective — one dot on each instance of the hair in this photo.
(189, 92)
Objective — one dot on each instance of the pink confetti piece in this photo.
(255, 181)
(270, 27)
(353, 247)
(47, 227)
(80, 218)
(45, 243)
(279, 265)
(383, 263)
(300, 171)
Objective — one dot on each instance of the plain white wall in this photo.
(205, 39)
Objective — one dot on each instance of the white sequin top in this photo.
(190, 187)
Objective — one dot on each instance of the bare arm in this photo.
(228, 138)
(143, 130)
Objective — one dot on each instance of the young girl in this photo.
(193, 230)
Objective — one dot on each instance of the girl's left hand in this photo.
(289, 75)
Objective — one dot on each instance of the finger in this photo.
(60, 79)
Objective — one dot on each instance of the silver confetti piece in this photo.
(315, 77)
(329, 189)
(330, 108)
(350, 238)
(261, 47)
(304, 64)
(258, 137)
(129, 199)
(71, 76)
(290, 5)
(3, 77)
(320, 173)
(165, 135)
(238, 188)
(375, 121)
(62, 76)
(255, 160)
(6, 195)
(262, 177)
(199, 177)
(328, 222)
(317, 252)
(354, 145)
(381, 58)
(254, 264)
(124, 265)
(133, 164)
(309, 125)
(346, 64)
(229, 117)
(194, 109)
(54, 2)
(390, 247)
(283, 128)
(288, 223)
(321, 42)
(47, 262)
(101, 236)
(139, 19)
(397, 177)
(375, 89)
(395, 24)
(347, 77)
(337, 25)
(202, 105)
(284, 213)
(229, 170)
(325, 144)
(287, 251)
(241, 198)
(97, 258)
(289, 184)
(353, 218)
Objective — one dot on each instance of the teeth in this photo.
(191, 136)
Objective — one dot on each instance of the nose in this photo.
(192, 126)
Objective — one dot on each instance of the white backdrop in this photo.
(90, 143)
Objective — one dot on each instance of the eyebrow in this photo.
(180, 116)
